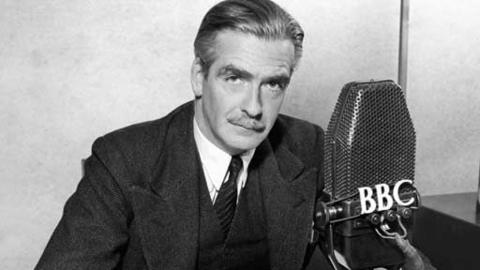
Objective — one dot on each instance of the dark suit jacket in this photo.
(137, 205)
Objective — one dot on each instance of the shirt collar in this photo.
(215, 161)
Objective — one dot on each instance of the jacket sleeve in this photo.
(93, 229)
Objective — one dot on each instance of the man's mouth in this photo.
(250, 124)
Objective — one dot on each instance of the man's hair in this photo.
(261, 18)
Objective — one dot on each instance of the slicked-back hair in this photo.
(261, 18)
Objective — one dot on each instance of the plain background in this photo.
(71, 71)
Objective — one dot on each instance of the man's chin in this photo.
(242, 144)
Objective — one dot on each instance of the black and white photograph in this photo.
(240, 134)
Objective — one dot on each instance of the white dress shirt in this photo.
(215, 163)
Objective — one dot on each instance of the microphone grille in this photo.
(370, 138)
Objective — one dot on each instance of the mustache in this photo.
(248, 123)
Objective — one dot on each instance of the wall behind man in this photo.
(74, 70)
(443, 93)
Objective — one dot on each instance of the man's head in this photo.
(261, 18)
(245, 53)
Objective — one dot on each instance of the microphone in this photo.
(369, 196)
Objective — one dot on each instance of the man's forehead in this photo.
(246, 51)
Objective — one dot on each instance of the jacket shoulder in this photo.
(145, 133)
(295, 132)
(135, 148)
(301, 137)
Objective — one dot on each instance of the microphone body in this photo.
(369, 146)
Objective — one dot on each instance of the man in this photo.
(223, 182)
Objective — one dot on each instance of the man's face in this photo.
(244, 89)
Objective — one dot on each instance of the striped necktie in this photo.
(226, 200)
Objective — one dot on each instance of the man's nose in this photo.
(253, 106)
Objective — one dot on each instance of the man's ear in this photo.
(197, 77)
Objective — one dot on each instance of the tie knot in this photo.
(236, 164)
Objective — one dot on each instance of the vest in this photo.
(246, 245)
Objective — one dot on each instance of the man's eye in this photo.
(233, 79)
(275, 86)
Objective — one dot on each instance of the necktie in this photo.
(226, 200)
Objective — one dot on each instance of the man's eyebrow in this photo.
(279, 78)
(231, 69)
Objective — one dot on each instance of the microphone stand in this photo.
(328, 249)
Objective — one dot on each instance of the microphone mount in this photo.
(337, 219)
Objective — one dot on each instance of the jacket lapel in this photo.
(289, 193)
(168, 209)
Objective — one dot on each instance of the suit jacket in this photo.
(137, 205)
